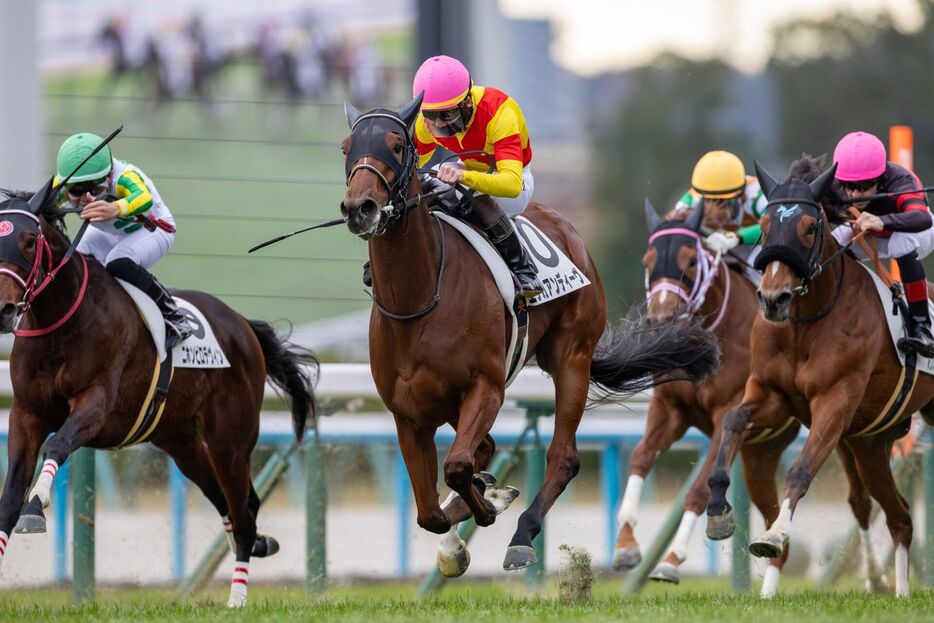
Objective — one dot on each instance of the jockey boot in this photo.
(367, 276)
(504, 237)
(919, 339)
(177, 327)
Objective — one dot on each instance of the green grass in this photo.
(308, 277)
(696, 601)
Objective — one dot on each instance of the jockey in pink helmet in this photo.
(463, 117)
(902, 225)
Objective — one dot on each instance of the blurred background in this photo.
(235, 110)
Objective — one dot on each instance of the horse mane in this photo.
(807, 168)
(49, 211)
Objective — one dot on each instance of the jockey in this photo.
(902, 224)
(733, 203)
(463, 117)
(131, 226)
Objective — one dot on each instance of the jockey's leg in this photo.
(487, 214)
(908, 249)
(127, 260)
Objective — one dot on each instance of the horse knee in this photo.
(435, 521)
(735, 420)
(458, 472)
(799, 479)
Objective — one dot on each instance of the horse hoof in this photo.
(454, 565)
(666, 572)
(519, 557)
(767, 546)
(720, 527)
(264, 546)
(30, 524)
(626, 558)
(236, 600)
(501, 498)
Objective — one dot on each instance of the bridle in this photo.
(708, 266)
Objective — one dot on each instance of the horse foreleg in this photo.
(572, 380)
(25, 438)
(872, 458)
(830, 413)
(861, 505)
(663, 427)
(421, 461)
(86, 418)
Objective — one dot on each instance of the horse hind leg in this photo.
(861, 504)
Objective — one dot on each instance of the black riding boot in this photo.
(919, 339)
(504, 237)
(177, 326)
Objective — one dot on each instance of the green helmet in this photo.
(75, 149)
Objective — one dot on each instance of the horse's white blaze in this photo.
(770, 582)
(629, 508)
(663, 296)
(679, 546)
(43, 488)
(901, 571)
(775, 266)
(239, 581)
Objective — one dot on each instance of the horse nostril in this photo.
(783, 299)
(344, 210)
(8, 310)
(368, 208)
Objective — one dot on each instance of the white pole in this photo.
(21, 119)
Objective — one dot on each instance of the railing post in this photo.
(739, 544)
(178, 490)
(927, 575)
(316, 504)
(610, 473)
(60, 505)
(82, 585)
(534, 480)
(403, 495)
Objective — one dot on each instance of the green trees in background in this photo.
(824, 78)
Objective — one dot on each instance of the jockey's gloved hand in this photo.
(843, 234)
(721, 241)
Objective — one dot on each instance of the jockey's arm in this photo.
(134, 196)
(505, 135)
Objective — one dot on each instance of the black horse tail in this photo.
(637, 355)
(285, 370)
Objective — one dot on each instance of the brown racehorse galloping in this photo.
(684, 278)
(439, 335)
(84, 376)
(821, 352)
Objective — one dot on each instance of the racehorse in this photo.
(439, 332)
(682, 277)
(821, 352)
(82, 369)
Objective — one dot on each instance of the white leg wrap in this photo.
(679, 546)
(869, 558)
(901, 571)
(239, 582)
(228, 528)
(4, 540)
(43, 488)
(629, 508)
(450, 542)
(451, 496)
(782, 524)
(770, 582)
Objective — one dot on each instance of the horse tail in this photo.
(285, 370)
(636, 355)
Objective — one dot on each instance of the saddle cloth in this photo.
(200, 350)
(558, 274)
(896, 321)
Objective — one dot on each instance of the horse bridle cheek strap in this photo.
(788, 249)
(368, 140)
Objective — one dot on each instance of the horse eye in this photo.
(398, 148)
(692, 262)
(30, 243)
(812, 229)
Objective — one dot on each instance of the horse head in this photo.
(794, 228)
(28, 248)
(379, 163)
(671, 264)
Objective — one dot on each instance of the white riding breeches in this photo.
(142, 246)
(899, 244)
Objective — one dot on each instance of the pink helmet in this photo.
(444, 80)
(859, 156)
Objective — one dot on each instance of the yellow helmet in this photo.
(718, 175)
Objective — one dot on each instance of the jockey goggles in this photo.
(860, 186)
(454, 120)
(95, 187)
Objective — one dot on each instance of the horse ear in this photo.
(408, 112)
(821, 184)
(351, 113)
(651, 217)
(696, 218)
(766, 181)
(41, 196)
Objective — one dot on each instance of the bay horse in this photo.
(439, 331)
(821, 351)
(82, 367)
(683, 278)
